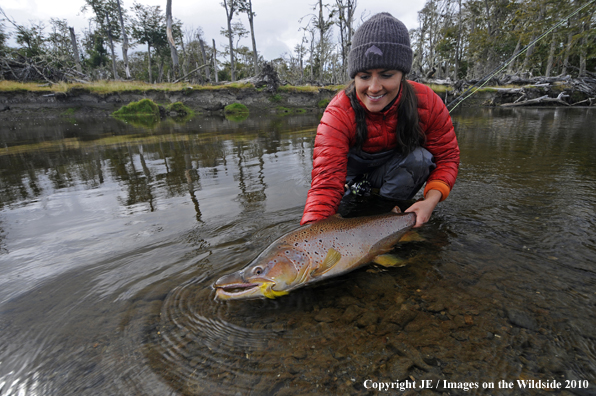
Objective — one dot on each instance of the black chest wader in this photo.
(396, 177)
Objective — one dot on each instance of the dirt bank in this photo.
(27, 103)
(24, 103)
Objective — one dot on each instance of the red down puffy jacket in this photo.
(337, 133)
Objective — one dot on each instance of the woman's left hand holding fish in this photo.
(425, 207)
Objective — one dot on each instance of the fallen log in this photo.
(190, 72)
(590, 101)
(541, 100)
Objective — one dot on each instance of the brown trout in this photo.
(317, 251)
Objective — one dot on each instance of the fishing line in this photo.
(487, 78)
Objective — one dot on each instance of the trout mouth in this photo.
(237, 290)
(244, 291)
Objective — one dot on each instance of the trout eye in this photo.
(257, 271)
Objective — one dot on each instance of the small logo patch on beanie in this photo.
(374, 50)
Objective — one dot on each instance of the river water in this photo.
(112, 234)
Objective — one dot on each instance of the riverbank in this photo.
(29, 100)
(32, 100)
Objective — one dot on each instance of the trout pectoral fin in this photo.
(389, 260)
(270, 293)
(333, 256)
(412, 236)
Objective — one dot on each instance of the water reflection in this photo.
(111, 236)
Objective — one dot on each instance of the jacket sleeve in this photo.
(330, 161)
(441, 142)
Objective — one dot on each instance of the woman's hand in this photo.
(425, 207)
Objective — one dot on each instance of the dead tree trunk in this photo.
(160, 76)
(207, 69)
(184, 60)
(457, 44)
(149, 57)
(75, 49)
(215, 62)
(510, 67)
(567, 53)
(116, 77)
(124, 43)
(551, 56)
(529, 53)
(255, 55)
(321, 40)
(583, 54)
(173, 51)
(229, 6)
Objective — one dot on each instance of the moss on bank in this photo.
(144, 107)
(144, 113)
(236, 112)
(236, 108)
(180, 109)
(147, 113)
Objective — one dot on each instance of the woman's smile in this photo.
(376, 88)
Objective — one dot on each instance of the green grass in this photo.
(106, 87)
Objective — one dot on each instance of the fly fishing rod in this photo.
(481, 83)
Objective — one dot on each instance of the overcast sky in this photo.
(276, 22)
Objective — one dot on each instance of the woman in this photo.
(382, 131)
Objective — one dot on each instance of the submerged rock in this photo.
(521, 319)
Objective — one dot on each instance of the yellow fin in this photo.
(389, 260)
(333, 256)
(270, 293)
(412, 236)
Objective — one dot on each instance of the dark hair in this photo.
(408, 133)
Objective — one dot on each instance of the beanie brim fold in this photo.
(393, 56)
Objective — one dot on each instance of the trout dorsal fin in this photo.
(333, 256)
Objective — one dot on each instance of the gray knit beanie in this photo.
(382, 42)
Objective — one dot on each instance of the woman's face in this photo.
(376, 88)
